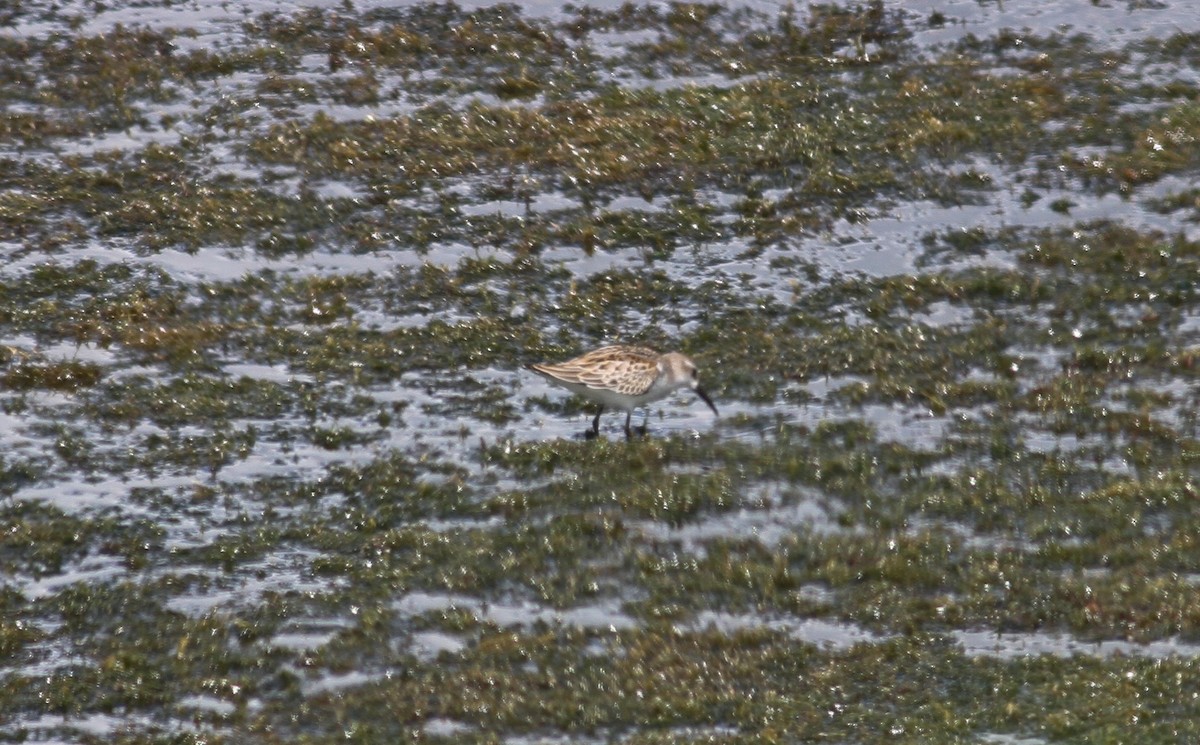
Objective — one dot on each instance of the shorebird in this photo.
(624, 377)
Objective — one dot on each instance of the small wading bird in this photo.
(623, 377)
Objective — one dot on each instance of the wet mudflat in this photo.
(272, 471)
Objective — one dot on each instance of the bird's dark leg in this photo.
(595, 430)
(628, 431)
(640, 431)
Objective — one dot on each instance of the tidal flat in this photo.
(271, 468)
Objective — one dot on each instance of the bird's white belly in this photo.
(612, 399)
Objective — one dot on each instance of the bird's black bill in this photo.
(700, 392)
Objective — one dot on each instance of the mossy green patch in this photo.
(313, 503)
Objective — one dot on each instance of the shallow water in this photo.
(274, 470)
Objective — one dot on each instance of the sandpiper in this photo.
(624, 377)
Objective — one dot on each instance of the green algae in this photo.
(687, 138)
(1056, 495)
(62, 376)
(895, 688)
